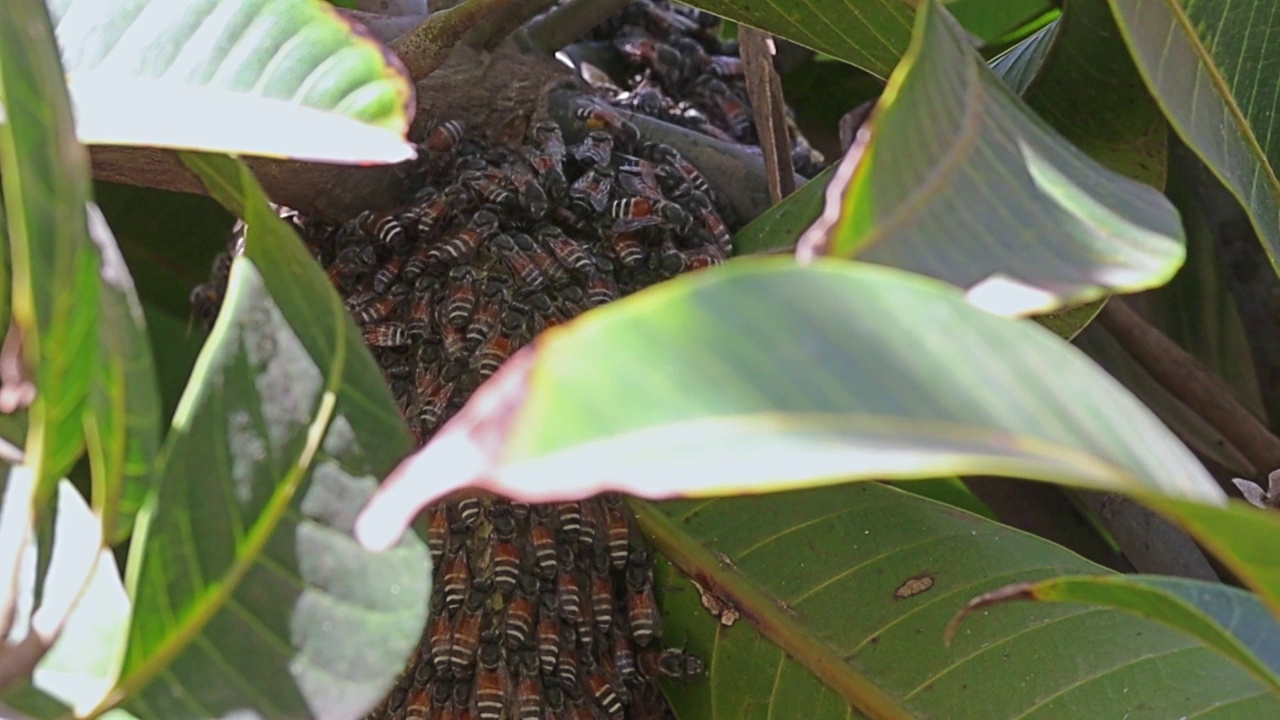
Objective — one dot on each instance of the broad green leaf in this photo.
(251, 595)
(962, 182)
(763, 375)
(1090, 91)
(1229, 620)
(188, 75)
(992, 20)
(45, 176)
(783, 223)
(843, 595)
(123, 429)
(872, 34)
(1210, 66)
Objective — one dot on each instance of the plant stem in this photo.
(569, 22)
(1190, 382)
(427, 46)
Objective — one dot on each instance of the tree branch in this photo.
(1196, 387)
(426, 47)
(569, 22)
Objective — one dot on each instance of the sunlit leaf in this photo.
(1211, 68)
(842, 596)
(959, 180)
(251, 594)
(992, 20)
(45, 176)
(901, 379)
(192, 74)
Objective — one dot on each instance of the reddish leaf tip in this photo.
(1016, 591)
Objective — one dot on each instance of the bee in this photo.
(506, 560)
(545, 262)
(444, 138)
(387, 274)
(642, 609)
(670, 662)
(633, 213)
(626, 245)
(380, 307)
(624, 659)
(519, 615)
(437, 532)
(519, 261)
(590, 525)
(602, 593)
(532, 196)
(466, 633)
(596, 150)
(351, 262)
(488, 188)
(606, 119)
(568, 589)
(566, 251)
(514, 321)
(459, 306)
(206, 300)
(469, 511)
(642, 178)
(462, 246)
(600, 290)
(439, 637)
(383, 227)
(386, 335)
(492, 684)
(528, 698)
(436, 399)
(570, 519)
(544, 546)
(602, 690)
(737, 114)
(548, 635)
(590, 193)
(419, 325)
(418, 704)
(725, 67)
(567, 662)
(457, 578)
(639, 50)
(667, 154)
(493, 353)
(547, 157)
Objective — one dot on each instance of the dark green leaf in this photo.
(188, 75)
(45, 176)
(960, 181)
(251, 594)
(992, 20)
(843, 594)
(872, 34)
(1211, 67)
(1019, 65)
(1229, 620)
(904, 380)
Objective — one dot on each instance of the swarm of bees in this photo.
(543, 611)
(683, 73)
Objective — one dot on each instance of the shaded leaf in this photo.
(1211, 66)
(992, 20)
(844, 593)
(1229, 620)
(1019, 65)
(45, 176)
(251, 594)
(872, 34)
(905, 381)
(783, 223)
(186, 75)
(960, 181)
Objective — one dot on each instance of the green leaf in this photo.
(1229, 620)
(1090, 91)
(991, 20)
(905, 380)
(783, 223)
(872, 34)
(251, 594)
(45, 176)
(960, 181)
(1211, 66)
(187, 75)
(1019, 65)
(843, 595)
(123, 429)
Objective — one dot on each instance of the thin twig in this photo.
(1191, 383)
(426, 47)
(569, 22)
(764, 87)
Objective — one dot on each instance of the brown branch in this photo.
(764, 87)
(425, 48)
(569, 22)
(1191, 383)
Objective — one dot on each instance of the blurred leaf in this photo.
(844, 593)
(961, 182)
(992, 20)
(45, 175)
(187, 75)
(123, 431)
(1211, 67)
(783, 223)
(1090, 91)
(901, 379)
(251, 596)
(1019, 65)
(1229, 620)
(871, 34)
